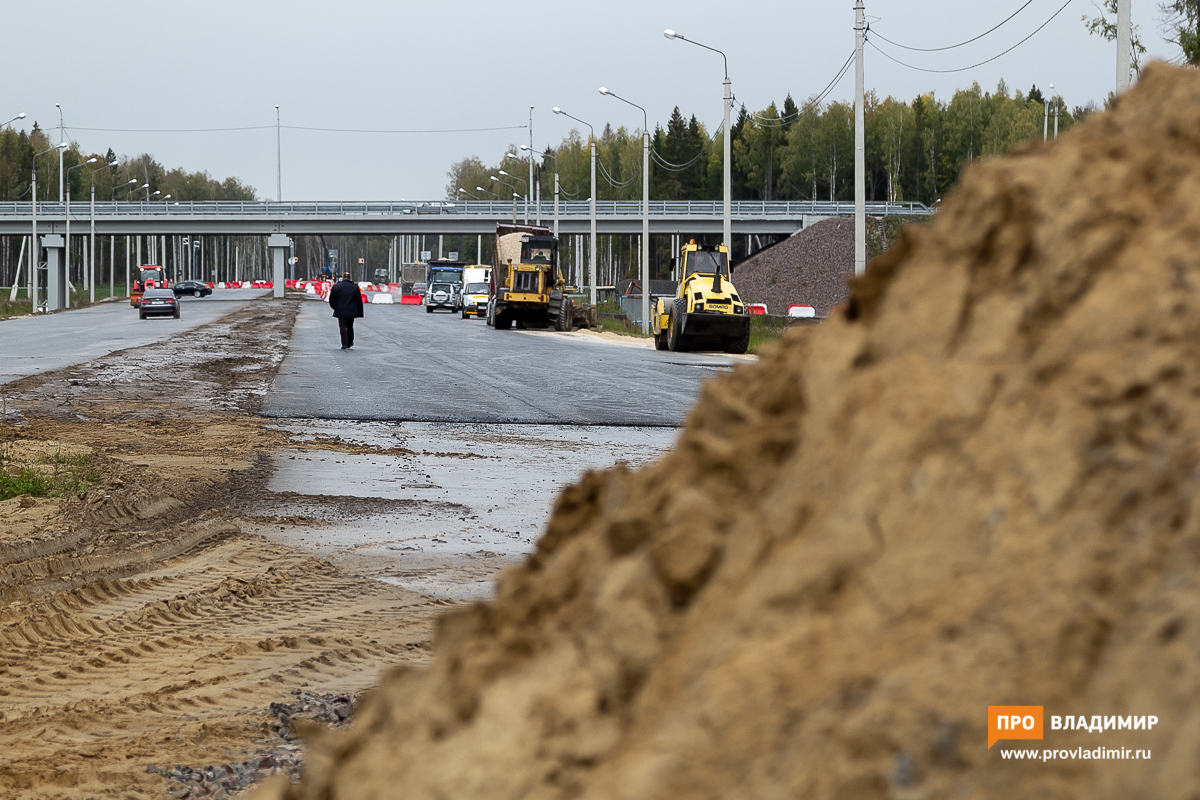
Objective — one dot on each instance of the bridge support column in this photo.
(56, 273)
(280, 246)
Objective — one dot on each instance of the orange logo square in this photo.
(1014, 722)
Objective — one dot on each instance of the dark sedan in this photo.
(194, 288)
(159, 303)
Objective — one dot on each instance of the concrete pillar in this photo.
(280, 246)
(56, 277)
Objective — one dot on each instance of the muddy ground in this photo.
(151, 644)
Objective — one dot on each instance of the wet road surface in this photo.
(33, 345)
(408, 365)
(445, 517)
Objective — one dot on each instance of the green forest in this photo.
(915, 150)
(18, 150)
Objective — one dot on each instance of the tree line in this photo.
(20, 149)
(915, 150)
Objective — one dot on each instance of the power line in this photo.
(779, 122)
(960, 44)
(170, 130)
(981, 63)
(294, 128)
(442, 130)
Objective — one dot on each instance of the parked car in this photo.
(158, 303)
(194, 288)
(419, 289)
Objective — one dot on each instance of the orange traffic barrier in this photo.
(410, 299)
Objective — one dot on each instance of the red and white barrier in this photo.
(410, 299)
(757, 309)
(802, 311)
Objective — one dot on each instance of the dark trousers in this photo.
(346, 326)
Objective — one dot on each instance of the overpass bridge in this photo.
(426, 217)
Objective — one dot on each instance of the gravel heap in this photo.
(809, 268)
(230, 780)
(976, 487)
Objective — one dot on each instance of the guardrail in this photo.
(742, 209)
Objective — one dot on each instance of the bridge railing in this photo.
(742, 209)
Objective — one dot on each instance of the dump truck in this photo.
(526, 286)
(150, 276)
(706, 312)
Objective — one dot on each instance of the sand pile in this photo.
(810, 268)
(977, 487)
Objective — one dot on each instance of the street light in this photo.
(524, 188)
(468, 194)
(515, 195)
(555, 160)
(485, 191)
(113, 195)
(592, 142)
(92, 242)
(14, 119)
(727, 223)
(33, 255)
(67, 256)
(645, 208)
(149, 195)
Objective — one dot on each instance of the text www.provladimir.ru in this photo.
(1097, 753)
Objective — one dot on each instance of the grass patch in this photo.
(765, 329)
(58, 475)
(620, 325)
(79, 297)
(891, 227)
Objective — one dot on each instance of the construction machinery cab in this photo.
(706, 312)
(150, 276)
(540, 250)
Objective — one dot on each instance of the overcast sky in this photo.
(387, 65)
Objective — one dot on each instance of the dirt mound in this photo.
(811, 268)
(975, 488)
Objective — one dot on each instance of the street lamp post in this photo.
(14, 119)
(34, 248)
(92, 240)
(530, 184)
(485, 191)
(525, 190)
(515, 195)
(645, 208)
(539, 205)
(112, 246)
(62, 144)
(128, 183)
(592, 264)
(468, 194)
(67, 255)
(278, 156)
(727, 222)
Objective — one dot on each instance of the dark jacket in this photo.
(345, 299)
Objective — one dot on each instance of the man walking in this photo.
(346, 301)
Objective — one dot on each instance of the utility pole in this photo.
(860, 177)
(1124, 34)
(646, 228)
(60, 155)
(278, 155)
(592, 263)
(529, 191)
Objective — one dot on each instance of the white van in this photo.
(475, 290)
